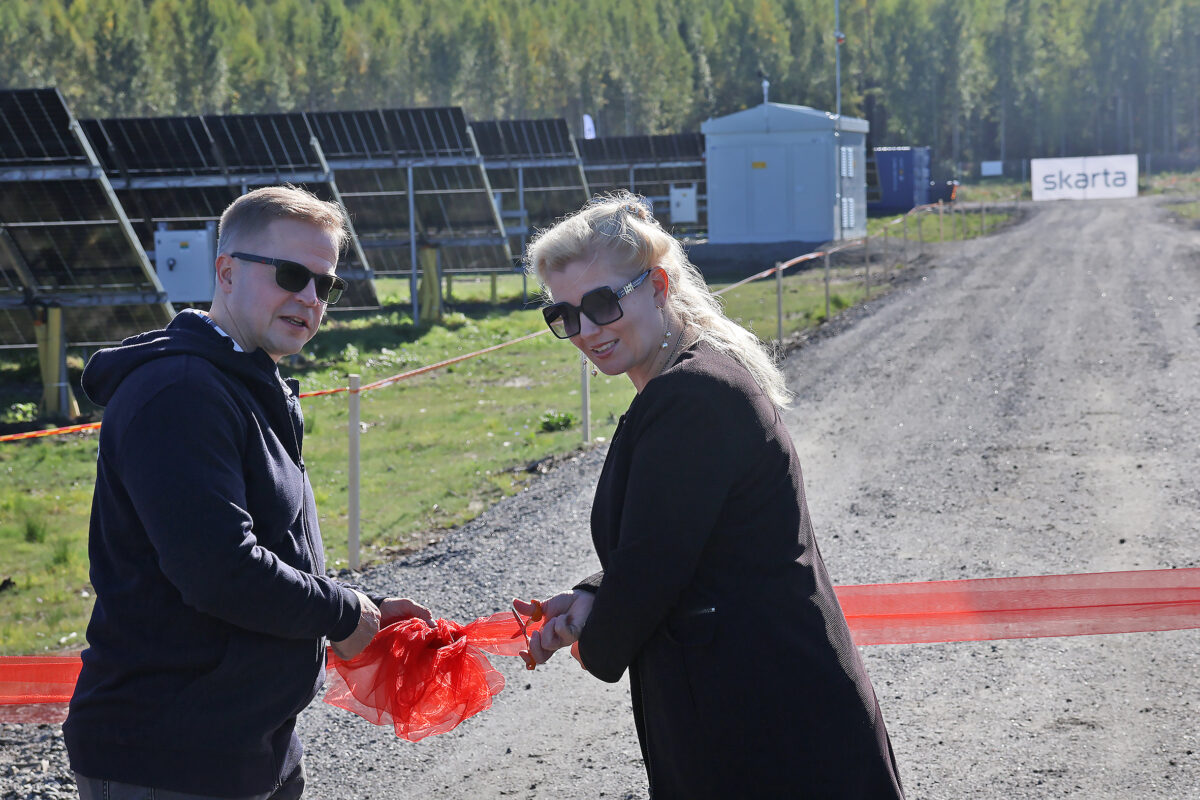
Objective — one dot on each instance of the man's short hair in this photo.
(251, 213)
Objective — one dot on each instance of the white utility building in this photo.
(780, 173)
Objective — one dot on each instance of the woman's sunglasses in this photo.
(601, 306)
(293, 277)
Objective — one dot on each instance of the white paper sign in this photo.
(1089, 178)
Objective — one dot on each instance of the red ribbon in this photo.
(890, 613)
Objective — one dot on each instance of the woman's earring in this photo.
(666, 328)
(583, 362)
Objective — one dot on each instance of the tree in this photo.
(118, 57)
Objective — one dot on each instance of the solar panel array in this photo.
(534, 171)
(647, 165)
(62, 239)
(476, 191)
(377, 153)
(182, 172)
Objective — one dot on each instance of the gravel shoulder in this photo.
(1018, 405)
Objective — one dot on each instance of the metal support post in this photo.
(148, 271)
(779, 302)
(941, 226)
(887, 258)
(867, 264)
(354, 430)
(585, 393)
(827, 287)
(58, 401)
(337, 198)
(412, 246)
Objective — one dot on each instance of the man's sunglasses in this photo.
(601, 306)
(294, 277)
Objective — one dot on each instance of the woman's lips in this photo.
(603, 350)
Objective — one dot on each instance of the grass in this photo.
(994, 190)
(1173, 183)
(436, 450)
(954, 224)
(44, 510)
(754, 305)
(1186, 210)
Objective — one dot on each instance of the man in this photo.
(212, 605)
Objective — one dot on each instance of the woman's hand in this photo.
(565, 615)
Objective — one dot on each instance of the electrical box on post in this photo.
(683, 203)
(184, 262)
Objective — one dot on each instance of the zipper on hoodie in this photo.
(288, 399)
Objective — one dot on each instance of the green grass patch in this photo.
(953, 224)
(465, 291)
(44, 509)
(436, 450)
(994, 190)
(1186, 210)
(754, 305)
(1172, 183)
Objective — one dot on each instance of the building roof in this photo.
(776, 117)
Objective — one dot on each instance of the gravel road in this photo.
(1018, 405)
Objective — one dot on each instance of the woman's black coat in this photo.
(744, 678)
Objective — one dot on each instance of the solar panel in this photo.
(534, 172)
(35, 129)
(397, 134)
(263, 143)
(625, 150)
(648, 166)
(373, 152)
(523, 138)
(63, 237)
(153, 146)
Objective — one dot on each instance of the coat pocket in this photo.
(693, 627)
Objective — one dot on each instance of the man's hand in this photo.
(565, 616)
(368, 626)
(395, 609)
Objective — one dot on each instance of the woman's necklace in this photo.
(671, 355)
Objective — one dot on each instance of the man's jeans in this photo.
(97, 789)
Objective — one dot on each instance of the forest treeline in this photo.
(975, 79)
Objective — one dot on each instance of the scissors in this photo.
(527, 657)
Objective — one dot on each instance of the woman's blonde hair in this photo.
(622, 227)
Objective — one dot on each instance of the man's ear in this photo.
(224, 268)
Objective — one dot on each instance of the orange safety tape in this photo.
(975, 609)
(12, 437)
(421, 370)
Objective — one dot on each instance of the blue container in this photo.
(903, 174)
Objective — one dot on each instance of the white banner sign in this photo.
(1089, 178)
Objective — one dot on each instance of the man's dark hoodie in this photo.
(212, 603)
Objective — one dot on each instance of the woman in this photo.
(745, 681)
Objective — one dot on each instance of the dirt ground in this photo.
(1019, 405)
